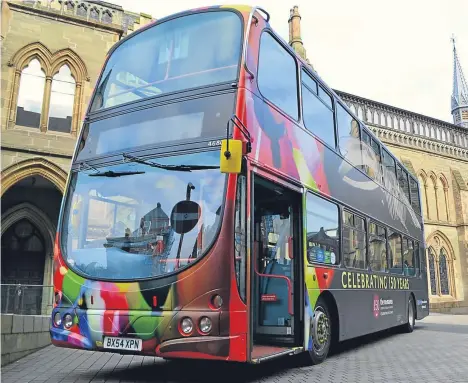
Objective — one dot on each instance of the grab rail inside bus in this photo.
(288, 281)
(247, 35)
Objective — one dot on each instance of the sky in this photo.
(397, 52)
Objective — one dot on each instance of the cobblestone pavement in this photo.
(437, 351)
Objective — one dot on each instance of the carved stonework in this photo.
(405, 128)
(35, 166)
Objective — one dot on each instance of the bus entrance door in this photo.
(275, 223)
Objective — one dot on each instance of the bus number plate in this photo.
(129, 344)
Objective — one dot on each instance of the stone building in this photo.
(436, 152)
(52, 52)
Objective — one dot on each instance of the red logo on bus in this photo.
(376, 306)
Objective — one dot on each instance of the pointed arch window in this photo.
(440, 263)
(47, 89)
(82, 10)
(69, 6)
(94, 14)
(61, 101)
(444, 279)
(360, 114)
(107, 17)
(368, 115)
(31, 95)
(432, 271)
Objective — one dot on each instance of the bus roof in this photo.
(235, 7)
(247, 9)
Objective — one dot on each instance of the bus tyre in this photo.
(409, 326)
(321, 328)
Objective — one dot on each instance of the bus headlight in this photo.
(186, 325)
(67, 321)
(217, 301)
(57, 319)
(205, 325)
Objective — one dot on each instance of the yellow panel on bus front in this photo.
(232, 164)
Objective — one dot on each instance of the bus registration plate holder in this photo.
(128, 344)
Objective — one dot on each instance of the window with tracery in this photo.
(444, 280)
(47, 89)
(440, 268)
(22, 254)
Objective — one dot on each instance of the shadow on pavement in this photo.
(209, 371)
(444, 327)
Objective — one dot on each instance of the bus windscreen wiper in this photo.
(111, 173)
(181, 168)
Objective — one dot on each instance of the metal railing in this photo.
(26, 299)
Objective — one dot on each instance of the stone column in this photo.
(14, 98)
(46, 104)
(47, 285)
(427, 201)
(76, 109)
(447, 208)
(436, 202)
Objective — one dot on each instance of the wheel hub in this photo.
(410, 314)
(321, 330)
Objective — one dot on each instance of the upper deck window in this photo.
(414, 190)
(183, 53)
(318, 115)
(277, 75)
(389, 166)
(348, 136)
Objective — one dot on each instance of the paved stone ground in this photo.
(437, 351)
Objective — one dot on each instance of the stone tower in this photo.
(295, 39)
(459, 93)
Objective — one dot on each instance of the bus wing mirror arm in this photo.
(240, 125)
(233, 150)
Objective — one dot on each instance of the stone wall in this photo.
(26, 28)
(22, 335)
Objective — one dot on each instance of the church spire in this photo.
(459, 93)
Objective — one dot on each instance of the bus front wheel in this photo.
(321, 330)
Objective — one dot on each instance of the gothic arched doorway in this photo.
(23, 258)
(30, 211)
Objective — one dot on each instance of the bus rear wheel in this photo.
(409, 326)
(321, 330)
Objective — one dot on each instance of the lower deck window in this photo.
(354, 241)
(322, 231)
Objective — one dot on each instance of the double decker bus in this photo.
(224, 203)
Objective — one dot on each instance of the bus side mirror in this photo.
(231, 156)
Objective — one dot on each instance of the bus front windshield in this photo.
(142, 218)
(182, 53)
